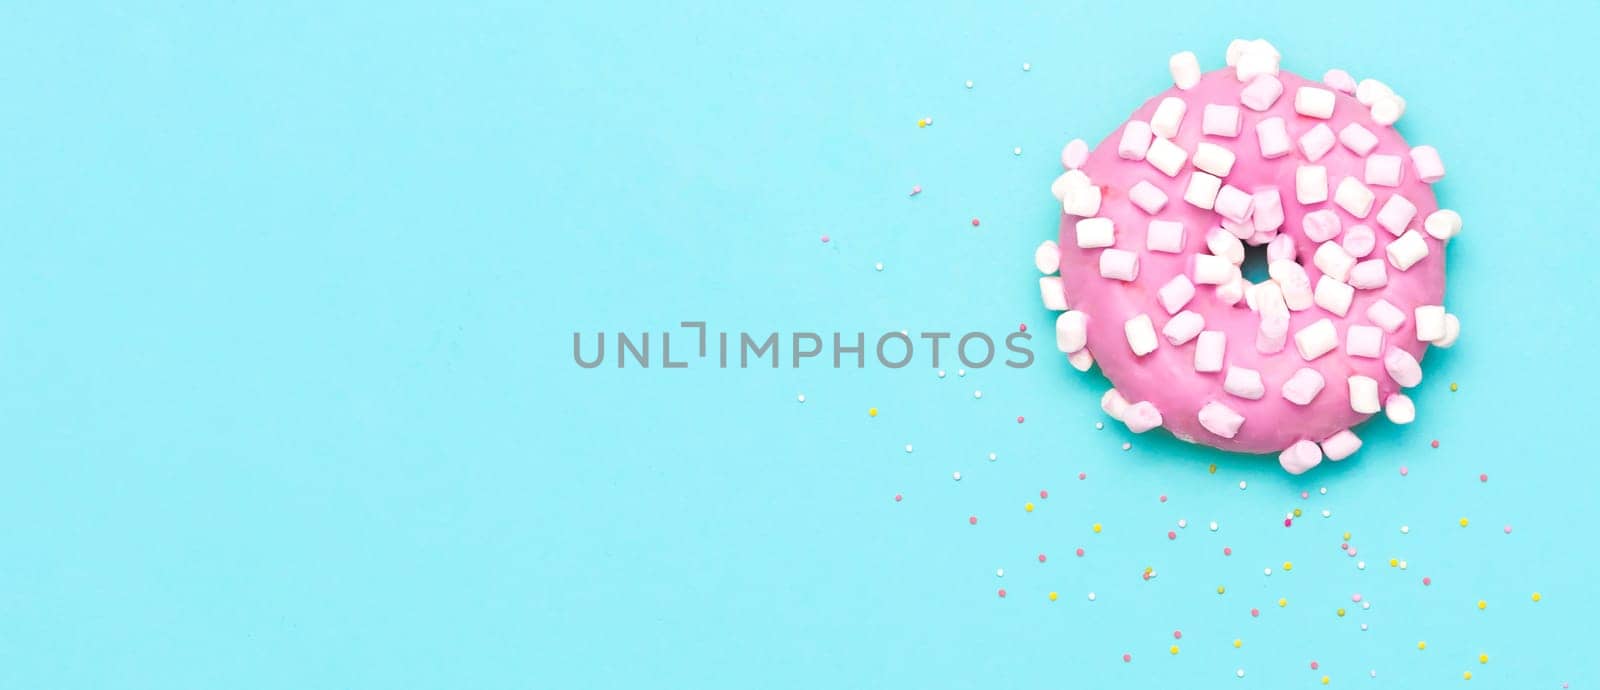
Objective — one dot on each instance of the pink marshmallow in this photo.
(1386, 315)
(1429, 168)
(1164, 236)
(1320, 225)
(1141, 417)
(1183, 327)
(1135, 142)
(1363, 341)
(1261, 93)
(1317, 142)
(1358, 139)
(1074, 154)
(1220, 419)
(1147, 197)
(1303, 386)
(1233, 203)
(1220, 120)
(1396, 213)
(1339, 80)
(1208, 351)
(1358, 241)
(1384, 170)
(1369, 275)
(1273, 136)
(1267, 211)
(1402, 367)
(1299, 457)
(1340, 446)
(1281, 248)
(1273, 333)
(1117, 264)
(1245, 383)
(1176, 293)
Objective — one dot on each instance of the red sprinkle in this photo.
(1163, 498)
(974, 222)
(1041, 558)
(1022, 327)
(1082, 476)
(1127, 658)
(1435, 443)
(1080, 552)
(1172, 535)
(1427, 581)
(1002, 592)
(1019, 419)
(1227, 551)
(1483, 477)
(1313, 665)
(897, 498)
(1044, 494)
(1177, 634)
(1287, 522)
(972, 520)
(1255, 613)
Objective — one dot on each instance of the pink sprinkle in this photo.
(1404, 471)
(897, 498)
(1041, 558)
(1255, 613)
(1435, 443)
(1080, 552)
(1163, 498)
(1287, 522)
(1356, 597)
(824, 239)
(1427, 581)
(916, 189)
(1177, 634)
(1129, 657)
(1227, 551)
(1044, 494)
(974, 222)
(1022, 327)
(1147, 577)
(1002, 592)
(1508, 529)
(1082, 476)
(1305, 494)
(1483, 477)
(1313, 665)
(1344, 546)
(1351, 552)
(972, 520)
(1019, 419)
(1172, 535)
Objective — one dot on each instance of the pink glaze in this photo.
(1167, 376)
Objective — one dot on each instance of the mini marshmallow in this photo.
(1399, 409)
(1354, 197)
(1074, 154)
(1220, 120)
(1388, 109)
(1281, 248)
(1242, 230)
(1402, 367)
(1294, 283)
(1236, 47)
(1095, 232)
(1141, 416)
(1452, 330)
(1222, 243)
(1234, 204)
(1213, 159)
(1363, 341)
(1261, 93)
(1063, 184)
(1332, 260)
(1273, 136)
(1118, 264)
(1429, 168)
(1268, 301)
(1208, 351)
(1072, 331)
(1360, 140)
(1340, 80)
(1384, 170)
(1164, 236)
(1369, 90)
(1081, 201)
(1166, 156)
(1386, 315)
(1320, 225)
(1183, 327)
(1047, 258)
(1363, 394)
(1185, 68)
(1148, 197)
(1051, 293)
(1175, 294)
(1442, 224)
(1332, 295)
(1245, 383)
(1341, 445)
(1202, 190)
(1311, 184)
(1231, 292)
(1358, 241)
(1212, 270)
(1317, 142)
(1135, 140)
(1266, 211)
(1114, 404)
(1273, 333)
(1430, 322)
(1141, 334)
(1220, 419)
(1311, 101)
(1168, 117)
(1303, 386)
(1369, 275)
(1396, 213)
(1316, 340)
(1408, 250)
(1255, 63)
(1299, 457)
(1081, 360)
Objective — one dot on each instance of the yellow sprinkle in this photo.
(1283, 603)
(1028, 507)
(1466, 676)
(1483, 658)
(1297, 512)
(1096, 528)
(1482, 604)
(872, 412)
(1288, 566)
(1174, 649)
(1454, 388)
(1422, 645)
(1324, 680)
(1213, 468)
(1221, 589)
(1537, 596)
(1347, 536)
(1463, 522)
(1394, 562)
(1238, 643)
(1053, 596)
(1340, 612)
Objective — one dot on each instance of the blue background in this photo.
(288, 399)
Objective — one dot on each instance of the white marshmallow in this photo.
(1266, 210)
(1429, 168)
(1354, 197)
(1141, 416)
(1399, 409)
(1231, 292)
(1452, 330)
(1166, 156)
(1164, 236)
(1273, 137)
(1388, 109)
(1384, 170)
(1175, 294)
(1081, 201)
(1141, 334)
(1213, 159)
(1358, 241)
(1202, 190)
(1320, 225)
(1386, 315)
(1368, 91)
(1254, 63)
(1363, 341)
(1408, 250)
(1311, 101)
(1360, 140)
(1220, 120)
(1234, 205)
(1135, 141)
(1183, 327)
(1051, 294)
(1245, 383)
(1081, 360)
(1333, 296)
(1317, 142)
(1442, 224)
(1430, 322)
(1095, 232)
(1222, 243)
(1273, 333)
(1047, 258)
(1311, 184)
(1113, 404)
(1333, 260)
(1074, 154)
(1220, 419)
(1063, 184)
(1340, 80)
(1185, 68)
(1281, 248)
(1341, 445)
(1236, 47)
(1212, 270)
(1396, 213)
(1261, 93)
(1369, 275)
(1363, 394)
(1168, 117)
(1293, 281)
(1316, 340)
(1303, 386)
(1403, 368)
(1148, 197)
(1072, 331)
(1208, 351)
(1118, 264)
(1299, 457)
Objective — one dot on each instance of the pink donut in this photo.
(1155, 225)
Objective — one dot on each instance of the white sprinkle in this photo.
(1183, 524)
(999, 572)
(1267, 572)
(801, 397)
(1327, 513)
(1366, 605)
(1099, 425)
(969, 83)
(941, 373)
(1016, 151)
(1402, 565)
(1405, 529)
(908, 447)
(1027, 66)
(1091, 596)
(993, 457)
(977, 394)
(1361, 565)
(956, 476)
(1323, 491)
(1364, 629)
(878, 265)
(1239, 673)
(1241, 485)
(961, 372)
(1127, 446)
(1213, 525)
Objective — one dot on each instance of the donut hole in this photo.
(1254, 267)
